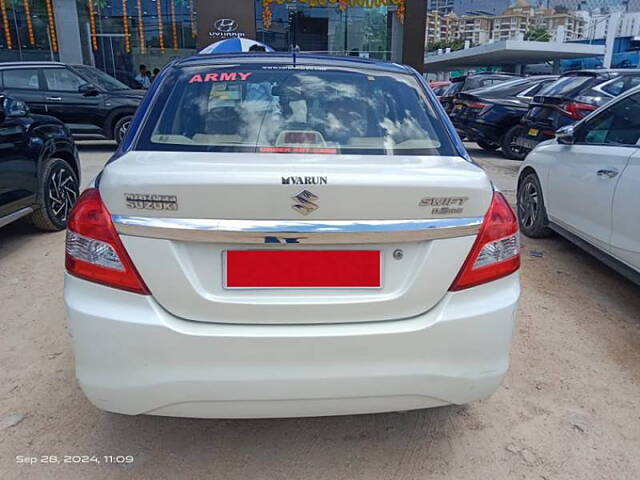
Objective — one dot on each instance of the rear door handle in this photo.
(54, 99)
(608, 172)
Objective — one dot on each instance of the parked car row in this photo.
(572, 97)
(471, 82)
(517, 114)
(491, 116)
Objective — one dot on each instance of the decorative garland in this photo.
(5, 25)
(27, 13)
(143, 48)
(174, 30)
(267, 15)
(125, 25)
(160, 25)
(92, 25)
(53, 38)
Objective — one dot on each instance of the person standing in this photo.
(142, 78)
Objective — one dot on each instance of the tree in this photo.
(538, 34)
(443, 44)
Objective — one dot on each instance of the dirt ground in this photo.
(569, 408)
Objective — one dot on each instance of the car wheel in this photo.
(532, 214)
(489, 147)
(57, 193)
(509, 147)
(121, 127)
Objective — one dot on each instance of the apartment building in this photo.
(514, 22)
(442, 27)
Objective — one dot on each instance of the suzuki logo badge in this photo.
(304, 202)
(226, 25)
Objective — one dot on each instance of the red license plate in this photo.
(303, 269)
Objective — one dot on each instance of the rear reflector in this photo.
(496, 251)
(94, 251)
(303, 269)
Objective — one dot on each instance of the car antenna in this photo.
(293, 23)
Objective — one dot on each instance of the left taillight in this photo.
(94, 250)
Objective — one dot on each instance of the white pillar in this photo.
(68, 31)
(612, 31)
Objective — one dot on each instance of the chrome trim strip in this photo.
(307, 232)
(7, 219)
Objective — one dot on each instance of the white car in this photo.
(288, 236)
(585, 185)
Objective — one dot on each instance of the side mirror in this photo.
(14, 108)
(566, 135)
(88, 90)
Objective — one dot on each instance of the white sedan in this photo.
(585, 185)
(283, 236)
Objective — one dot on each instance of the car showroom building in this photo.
(118, 35)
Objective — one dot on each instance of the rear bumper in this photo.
(133, 357)
(476, 131)
(545, 132)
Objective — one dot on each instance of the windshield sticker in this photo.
(294, 67)
(220, 77)
(298, 150)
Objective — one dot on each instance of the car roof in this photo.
(30, 64)
(40, 64)
(288, 59)
(604, 71)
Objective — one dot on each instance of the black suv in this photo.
(471, 82)
(39, 168)
(86, 99)
(570, 98)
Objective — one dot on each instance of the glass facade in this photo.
(366, 28)
(119, 35)
(28, 30)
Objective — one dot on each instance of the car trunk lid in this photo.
(180, 217)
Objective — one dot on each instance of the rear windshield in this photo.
(511, 87)
(566, 86)
(286, 109)
(482, 81)
(455, 87)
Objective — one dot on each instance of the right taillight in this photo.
(496, 251)
(576, 110)
(94, 250)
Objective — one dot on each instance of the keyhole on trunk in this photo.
(398, 254)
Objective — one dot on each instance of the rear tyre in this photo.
(509, 147)
(532, 214)
(121, 127)
(489, 147)
(57, 193)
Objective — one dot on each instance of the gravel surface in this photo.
(569, 408)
